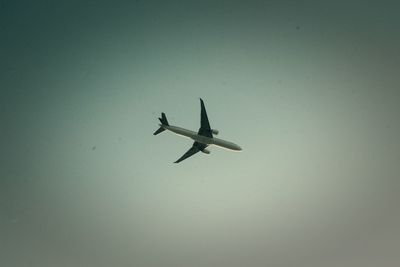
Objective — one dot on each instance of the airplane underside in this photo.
(202, 139)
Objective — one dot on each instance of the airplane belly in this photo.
(226, 144)
(202, 139)
(181, 131)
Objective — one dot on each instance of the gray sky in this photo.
(310, 91)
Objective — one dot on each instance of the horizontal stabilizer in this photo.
(160, 130)
(164, 122)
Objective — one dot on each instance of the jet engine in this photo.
(206, 151)
(214, 131)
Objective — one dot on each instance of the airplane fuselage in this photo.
(202, 139)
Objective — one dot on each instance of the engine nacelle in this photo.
(206, 151)
(214, 131)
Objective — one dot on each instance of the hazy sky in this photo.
(309, 90)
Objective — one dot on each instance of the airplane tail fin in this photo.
(163, 121)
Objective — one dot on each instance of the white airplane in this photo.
(202, 139)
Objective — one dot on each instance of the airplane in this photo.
(202, 139)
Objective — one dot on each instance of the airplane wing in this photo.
(193, 150)
(205, 128)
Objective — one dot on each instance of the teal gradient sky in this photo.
(309, 90)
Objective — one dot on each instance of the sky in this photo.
(309, 90)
